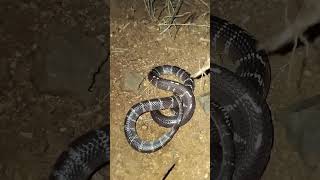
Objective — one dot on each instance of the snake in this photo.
(85, 155)
(182, 103)
(241, 123)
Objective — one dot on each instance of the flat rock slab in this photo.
(65, 64)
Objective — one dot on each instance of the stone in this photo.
(132, 81)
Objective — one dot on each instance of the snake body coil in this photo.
(239, 99)
(86, 155)
(183, 103)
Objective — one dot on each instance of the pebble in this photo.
(131, 81)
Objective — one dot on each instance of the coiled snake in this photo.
(183, 103)
(242, 131)
(241, 127)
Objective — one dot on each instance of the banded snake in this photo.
(241, 145)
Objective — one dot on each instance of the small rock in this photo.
(132, 81)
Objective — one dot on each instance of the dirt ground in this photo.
(137, 46)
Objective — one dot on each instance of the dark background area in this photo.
(50, 51)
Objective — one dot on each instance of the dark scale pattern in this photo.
(84, 157)
(222, 145)
(239, 99)
(254, 65)
(182, 103)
